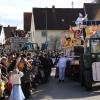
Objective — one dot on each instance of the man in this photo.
(46, 67)
(62, 65)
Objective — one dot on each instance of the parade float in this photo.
(83, 46)
(73, 47)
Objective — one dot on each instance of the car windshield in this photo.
(30, 46)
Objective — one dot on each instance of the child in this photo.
(16, 92)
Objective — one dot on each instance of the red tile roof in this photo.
(8, 31)
(20, 33)
(27, 21)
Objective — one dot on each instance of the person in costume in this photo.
(16, 92)
(2, 88)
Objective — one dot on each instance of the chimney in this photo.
(8, 25)
(53, 9)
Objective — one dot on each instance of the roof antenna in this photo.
(72, 4)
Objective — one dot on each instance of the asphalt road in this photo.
(69, 90)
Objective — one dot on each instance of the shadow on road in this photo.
(67, 90)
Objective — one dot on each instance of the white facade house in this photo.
(40, 37)
(48, 24)
(32, 30)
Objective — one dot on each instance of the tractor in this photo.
(90, 62)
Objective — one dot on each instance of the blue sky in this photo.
(11, 11)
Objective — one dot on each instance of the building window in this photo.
(43, 33)
(29, 34)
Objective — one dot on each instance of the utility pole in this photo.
(72, 4)
(46, 24)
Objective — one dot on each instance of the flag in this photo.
(91, 30)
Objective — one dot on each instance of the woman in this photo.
(16, 92)
(4, 65)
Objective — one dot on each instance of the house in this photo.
(9, 31)
(48, 24)
(27, 25)
(0, 29)
(27, 21)
(52, 21)
(2, 39)
(14, 39)
(18, 40)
